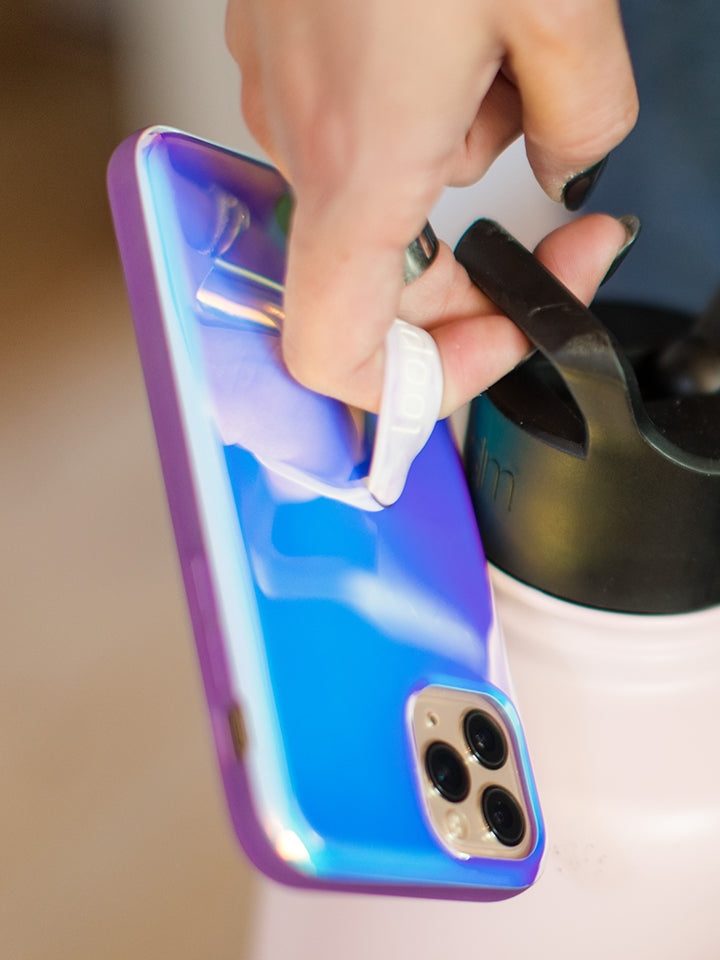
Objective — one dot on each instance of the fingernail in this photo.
(420, 254)
(577, 190)
(411, 398)
(633, 226)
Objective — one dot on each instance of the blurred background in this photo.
(113, 830)
(114, 840)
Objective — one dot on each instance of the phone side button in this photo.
(237, 730)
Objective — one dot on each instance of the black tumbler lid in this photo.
(588, 482)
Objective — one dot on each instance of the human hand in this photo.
(370, 109)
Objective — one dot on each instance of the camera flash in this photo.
(456, 825)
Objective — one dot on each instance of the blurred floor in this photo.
(113, 836)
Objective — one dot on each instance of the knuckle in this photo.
(583, 133)
(586, 102)
(608, 128)
(628, 113)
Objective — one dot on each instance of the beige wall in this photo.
(175, 69)
(114, 840)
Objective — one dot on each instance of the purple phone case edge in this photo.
(135, 254)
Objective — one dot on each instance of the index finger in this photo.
(343, 287)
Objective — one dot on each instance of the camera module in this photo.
(503, 815)
(447, 771)
(485, 739)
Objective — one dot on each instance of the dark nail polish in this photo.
(577, 190)
(633, 226)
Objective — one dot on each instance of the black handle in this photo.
(560, 326)
(628, 521)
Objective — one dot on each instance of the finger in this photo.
(572, 67)
(344, 281)
(497, 124)
(442, 294)
(477, 350)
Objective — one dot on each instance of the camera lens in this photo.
(485, 739)
(446, 769)
(503, 816)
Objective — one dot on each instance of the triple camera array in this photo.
(448, 772)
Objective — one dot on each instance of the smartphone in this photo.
(354, 670)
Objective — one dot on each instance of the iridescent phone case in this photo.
(351, 657)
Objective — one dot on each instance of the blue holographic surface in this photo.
(331, 617)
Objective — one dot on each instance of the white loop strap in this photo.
(412, 395)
